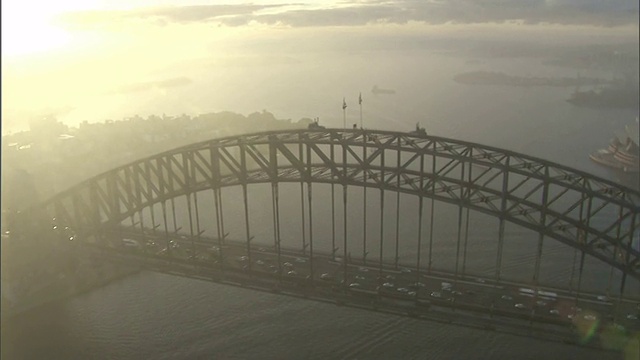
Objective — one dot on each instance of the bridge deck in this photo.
(552, 314)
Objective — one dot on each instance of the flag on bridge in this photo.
(360, 99)
(344, 104)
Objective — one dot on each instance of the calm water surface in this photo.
(156, 316)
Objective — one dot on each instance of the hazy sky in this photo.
(62, 55)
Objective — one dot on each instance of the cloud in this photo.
(166, 14)
(146, 86)
(565, 12)
(608, 13)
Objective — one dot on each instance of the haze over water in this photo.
(112, 60)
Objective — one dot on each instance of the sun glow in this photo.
(28, 27)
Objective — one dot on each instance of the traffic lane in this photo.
(394, 283)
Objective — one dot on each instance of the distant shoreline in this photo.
(498, 78)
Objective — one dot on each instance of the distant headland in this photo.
(498, 78)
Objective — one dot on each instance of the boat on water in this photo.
(623, 151)
(378, 91)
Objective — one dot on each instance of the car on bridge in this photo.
(132, 244)
(326, 276)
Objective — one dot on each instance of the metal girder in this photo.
(546, 197)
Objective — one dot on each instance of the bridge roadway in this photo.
(477, 302)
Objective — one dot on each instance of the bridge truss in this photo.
(555, 201)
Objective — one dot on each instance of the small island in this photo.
(498, 78)
(623, 97)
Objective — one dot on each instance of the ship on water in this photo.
(379, 91)
(623, 151)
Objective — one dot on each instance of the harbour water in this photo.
(157, 316)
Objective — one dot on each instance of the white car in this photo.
(326, 276)
(520, 306)
(436, 294)
(388, 285)
(354, 285)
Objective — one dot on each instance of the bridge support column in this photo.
(459, 236)
(579, 282)
(247, 227)
(543, 221)
(503, 210)
(302, 210)
(381, 216)
(419, 252)
(364, 199)
(433, 208)
(173, 213)
(141, 220)
(310, 235)
(154, 226)
(616, 250)
(166, 229)
(500, 248)
(333, 209)
(197, 210)
(466, 223)
(333, 223)
(629, 246)
(616, 253)
(466, 242)
(190, 212)
(398, 205)
(308, 178)
(582, 256)
(302, 220)
(581, 239)
(276, 225)
(345, 255)
(219, 226)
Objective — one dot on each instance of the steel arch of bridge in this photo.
(554, 200)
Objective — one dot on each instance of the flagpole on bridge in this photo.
(344, 113)
(360, 103)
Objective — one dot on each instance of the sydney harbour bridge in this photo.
(129, 215)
